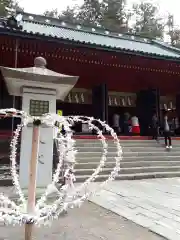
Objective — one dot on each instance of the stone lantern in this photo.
(39, 88)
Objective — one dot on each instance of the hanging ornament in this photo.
(115, 101)
(82, 97)
(129, 101)
(123, 102)
(76, 98)
(69, 196)
(69, 98)
(165, 106)
(171, 105)
(110, 103)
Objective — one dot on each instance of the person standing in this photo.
(135, 125)
(154, 127)
(167, 132)
(126, 123)
(176, 125)
(116, 123)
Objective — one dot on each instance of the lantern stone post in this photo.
(39, 88)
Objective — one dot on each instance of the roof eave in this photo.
(166, 46)
(24, 34)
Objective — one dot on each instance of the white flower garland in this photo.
(11, 213)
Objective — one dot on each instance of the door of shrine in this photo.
(147, 103)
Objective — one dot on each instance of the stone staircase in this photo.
(142, 159)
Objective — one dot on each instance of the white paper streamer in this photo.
(68, 196)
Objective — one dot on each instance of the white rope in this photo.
(68, 197)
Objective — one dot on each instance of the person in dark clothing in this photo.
(167, 137)
(154, 127)
(167, 132)
(126, 123)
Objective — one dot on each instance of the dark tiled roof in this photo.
(54, 28)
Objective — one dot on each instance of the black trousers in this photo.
(154, 133)
(117, 130)
(167, 137)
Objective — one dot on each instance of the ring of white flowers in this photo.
(46, 213)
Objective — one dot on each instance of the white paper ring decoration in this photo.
(68, 197)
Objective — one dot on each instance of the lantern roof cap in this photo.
(38, 77)
(40, 62)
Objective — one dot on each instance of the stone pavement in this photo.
(91, 222)
(153, 203)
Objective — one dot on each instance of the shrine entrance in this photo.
(69, 109)
(147, 104)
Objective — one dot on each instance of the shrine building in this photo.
(118, 73)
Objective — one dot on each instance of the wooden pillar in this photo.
(178, 105)
(100, 102)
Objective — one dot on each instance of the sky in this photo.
(40, 6)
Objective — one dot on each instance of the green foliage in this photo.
(143, 19)
(90, 13)
(173, 32)
(114, 15)
(4, 4)
(109, 14)
(69, 15)
(53, 13)
(8, 6)
(148, 22)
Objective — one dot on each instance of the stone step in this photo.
(7, 181)
(80, 155)
(137, 176)
(132, 164)
(160, 146)
(111, 140)
(131, 141)
(111, 164)
(126, 143)
(94, 142)
(4, 158)
(93, 165)
(132, 170)
(127, 149)
(89, 159)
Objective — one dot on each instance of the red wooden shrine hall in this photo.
(123, 63)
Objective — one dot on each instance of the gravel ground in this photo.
(91, 222)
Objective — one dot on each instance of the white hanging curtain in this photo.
(69, 98)
(171, 105)
(76, 98)
(110, 102)
(129, 101)
(82, 97)
(165, 106)
(123, 102)
(115, 101)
